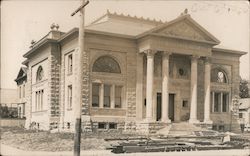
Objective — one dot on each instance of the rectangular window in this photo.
(36, 104)
(112, 126)
(20, 92)
(184, 103)
(95, 94)
(221, 128)
(38, 93)
(217, 102)
(240, 115)
(225, 102)
(221, 102)
(107, 89)
(70, 64)
(68, 125)
(41, 100)
(69, 96)
(214, 127)
(118, 96)
(101, 125)
(23, 90)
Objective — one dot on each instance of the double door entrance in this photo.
(170, 107)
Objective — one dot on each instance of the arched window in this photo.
(219, 76)
(106, 64)
(39, 74)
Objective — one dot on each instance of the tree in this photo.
(244, 91)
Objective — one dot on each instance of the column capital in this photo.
(150, 52)
(166, 53)
(194, 57)
(207, 60)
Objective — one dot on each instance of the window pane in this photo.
(95, 101)
(70, 63)
(225, 102)
(240, 115)
(217, 102)
(39, 74)
(118, 102)
(106, 101)
(101, 125)
(95, 95)
(112, 126)
(107, 95)
(70, 96)
(95, 89)
(118, 99)
(23, 90)
(106, 64)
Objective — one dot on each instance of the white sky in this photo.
(24, 20)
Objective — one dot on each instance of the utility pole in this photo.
(78, 87)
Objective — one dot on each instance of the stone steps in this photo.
(180, 129)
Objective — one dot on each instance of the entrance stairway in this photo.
(184, 129)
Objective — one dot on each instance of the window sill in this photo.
(40, 111)
(220, 112)
(69, 109)
(108, 108)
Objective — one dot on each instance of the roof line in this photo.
(64, 36)
(186, 16)
(98, 19)
(47, 40)
(229, 51)
(114, 14)
(161, 26)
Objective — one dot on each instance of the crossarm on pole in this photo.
(78, 9)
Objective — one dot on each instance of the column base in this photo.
(148, 120)
(166, 120)
(207, 121)
(193, 121)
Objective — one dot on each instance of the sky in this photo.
(26, 20)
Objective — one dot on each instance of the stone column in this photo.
(207, 92)
(101, 95)
(193, 107)
(149, 88)
(139, 86)
(165, 92)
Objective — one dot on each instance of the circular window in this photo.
(182, 72)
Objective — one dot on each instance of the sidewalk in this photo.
(10, 151)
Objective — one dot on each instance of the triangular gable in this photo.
(22, 72)
(183, 27)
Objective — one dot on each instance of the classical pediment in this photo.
(184, 27)
(185, 30)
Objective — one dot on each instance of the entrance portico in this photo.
(195, 44)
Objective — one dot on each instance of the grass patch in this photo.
(45, 141)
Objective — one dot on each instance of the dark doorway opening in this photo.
(158, 112)
(171, 107)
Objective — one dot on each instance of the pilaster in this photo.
(207, 91)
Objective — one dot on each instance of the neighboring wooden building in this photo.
(21, 81)
(143, 75)
(244, 111)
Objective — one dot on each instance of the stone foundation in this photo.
(207, 126)
(149, 127)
